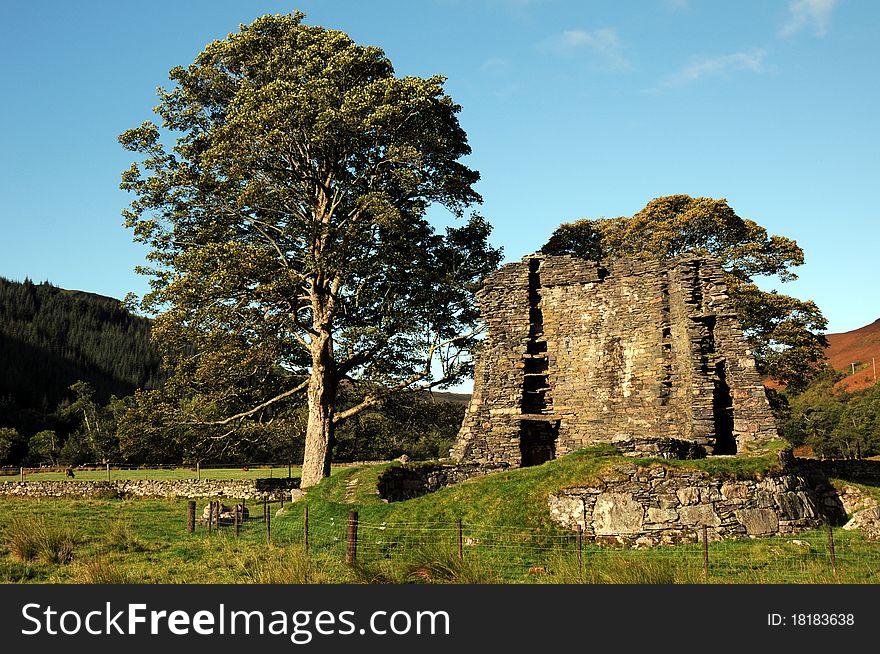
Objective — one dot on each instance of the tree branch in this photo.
(260, 407)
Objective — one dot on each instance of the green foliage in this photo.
(8, 437)
(289, 243)
(95, 439)
(43, 447)
(784, 332)
(412, 424)
(835, 424)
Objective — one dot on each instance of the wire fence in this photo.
(497, 553)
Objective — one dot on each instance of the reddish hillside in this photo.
(857, 347)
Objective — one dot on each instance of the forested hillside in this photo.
(51, 338)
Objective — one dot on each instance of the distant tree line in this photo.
(835, 423)
(52, 338)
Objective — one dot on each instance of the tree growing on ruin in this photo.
(287, 229)
(785, 333)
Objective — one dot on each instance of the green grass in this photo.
(157, 473)
(508, 537)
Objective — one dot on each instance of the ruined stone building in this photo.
(646, 355)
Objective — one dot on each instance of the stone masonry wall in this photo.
(626, 351)
(647, 506)
(249, 489)
(407, 481)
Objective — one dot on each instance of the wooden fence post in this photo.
(460, 542)
(21, 472)
(108, 472)
(351, 552)
(706, 553)
(268, 524)
(306, 528)
(190, 516)
(198, 471)
(580, 542)
(236, 516)
(210, 515)
(831, 552)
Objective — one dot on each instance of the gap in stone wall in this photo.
(722, 408)
(537, 438)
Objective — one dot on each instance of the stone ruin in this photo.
(646, 355)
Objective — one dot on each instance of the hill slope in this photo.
(51, 338)
(858, 348)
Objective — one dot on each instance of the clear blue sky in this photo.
(573, 109)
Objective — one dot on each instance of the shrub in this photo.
(36, 538)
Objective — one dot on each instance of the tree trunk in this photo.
(322, 399)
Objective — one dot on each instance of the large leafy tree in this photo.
(785, 333)
(287, 227)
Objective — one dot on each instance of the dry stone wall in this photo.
(249, 489)
(656, 505)
(628, 352)
(411, 480)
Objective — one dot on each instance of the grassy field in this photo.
(157, 473)
(506, 532)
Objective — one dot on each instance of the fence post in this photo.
(351, 552)
(831, 552)
(580, 541)
(306, 528)
(706, 553)
(108, 472)
(210, 515)
(460, 542)
(190, 516)
(21, 472)
(265, 509)
(268, 524)
(288, 469)
(217, 515)
(236, 516)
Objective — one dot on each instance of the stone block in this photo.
(689, 495)
(617, 514)
(662, 515)
(758, 522)
(699, 515)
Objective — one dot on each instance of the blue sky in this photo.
(573, 110)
